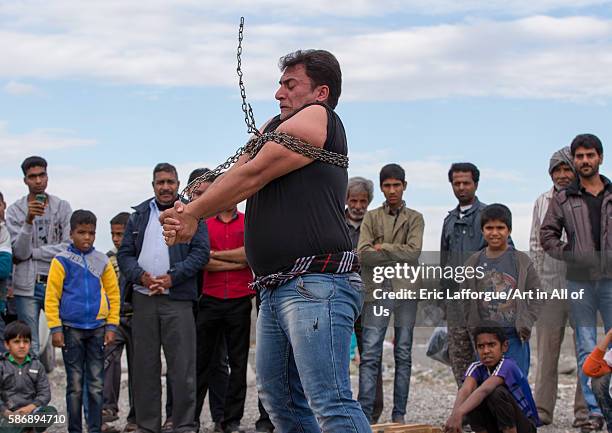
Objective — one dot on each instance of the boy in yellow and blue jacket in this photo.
(82, 308)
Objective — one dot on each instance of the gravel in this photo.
(432, 389)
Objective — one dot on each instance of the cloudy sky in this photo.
(106, 89)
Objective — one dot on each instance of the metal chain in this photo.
(249, 118)
(254, 145)
(299, 146)
(186, 193)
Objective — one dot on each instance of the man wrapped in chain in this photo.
(298, 245)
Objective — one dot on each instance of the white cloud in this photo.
(17, 146)
(537, 57)
(192, 43)
(34, 12)
(17, 88)
(430, 174)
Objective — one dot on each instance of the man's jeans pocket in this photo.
(71, 352)
(39, 292)
(315, 287)
(356, 282)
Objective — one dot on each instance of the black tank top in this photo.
(302, 213)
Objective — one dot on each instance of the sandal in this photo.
(109, 415)
(168, 426)
(579, 422)
(594, 423)
(130, 427)
(107, 428)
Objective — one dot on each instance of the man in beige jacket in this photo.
(555, 313)
(390, 234)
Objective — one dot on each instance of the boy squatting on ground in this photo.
(598, 366)
(82, 309)
(495, 395)
(24, 388)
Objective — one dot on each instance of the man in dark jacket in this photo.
(162, 286)
(584, 211)
(461, 237)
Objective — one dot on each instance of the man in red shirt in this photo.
(225, 310)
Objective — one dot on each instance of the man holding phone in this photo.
(39, 224)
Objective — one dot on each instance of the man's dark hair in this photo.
(164, 166)
(33, 161)
(392, 171)
(199, 172)
(321, 67)
(496, 211)
(588, 141)
(82, 216)
(490, 327)
(1, 197)
(121, 218)
(464, 167)
(16, 329)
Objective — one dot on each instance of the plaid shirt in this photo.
(332, 263)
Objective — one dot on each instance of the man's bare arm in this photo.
(272, 161)
(215, 265)
(241, 182)
(236, 255)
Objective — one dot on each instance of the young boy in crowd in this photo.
(511, 272)
(123, 338)
(598, 366)
(495, 395)
(24, 388)
(82, 309)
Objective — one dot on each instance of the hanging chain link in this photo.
(254, 145)
(249, 118)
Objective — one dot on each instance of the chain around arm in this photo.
(253, 147)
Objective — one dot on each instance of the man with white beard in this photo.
(359, 194)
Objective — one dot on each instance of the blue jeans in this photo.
(28, 311)
(304, 333)
(83, 354)
(519, 351)
(597, 296)
(373, 337)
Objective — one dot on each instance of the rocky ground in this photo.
(432, 389)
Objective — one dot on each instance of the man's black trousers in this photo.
(228, 319)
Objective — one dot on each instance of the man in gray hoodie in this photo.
(39, 225)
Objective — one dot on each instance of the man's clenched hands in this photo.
(178, 225)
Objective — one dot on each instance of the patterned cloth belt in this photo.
(332, 263)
